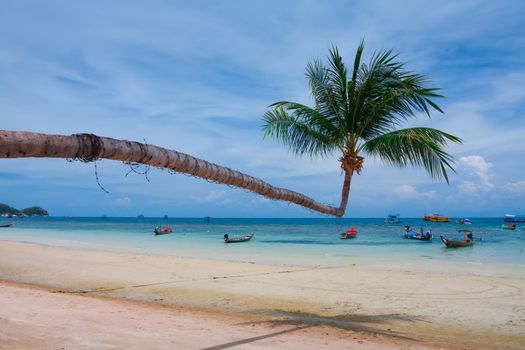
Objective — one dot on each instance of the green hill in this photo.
(6, 209)
(33, 211)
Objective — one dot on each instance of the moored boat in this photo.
(509, 226)
(466, 242)
(7, 225)
(436, 218)
(454, 244)
(514, 218)
(162, 231)
(410, 233)
(352, 233)
(392, 219)
(244, 238)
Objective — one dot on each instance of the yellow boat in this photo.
(436, 218)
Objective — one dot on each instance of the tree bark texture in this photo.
(89, 147)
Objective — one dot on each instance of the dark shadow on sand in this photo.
(253, 339)
(301, 320)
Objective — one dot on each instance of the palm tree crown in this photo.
(362, 115)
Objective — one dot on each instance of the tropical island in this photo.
(298, 255)
(6, 210)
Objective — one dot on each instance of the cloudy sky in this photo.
(197, 77)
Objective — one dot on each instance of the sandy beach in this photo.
(71, 321)
(205, 301)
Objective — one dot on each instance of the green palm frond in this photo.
(368, 78)
(422, 147)
(351, 91)
(324, 92)
(338, 78)
(310, 116)
(300, 136)
(392, 95)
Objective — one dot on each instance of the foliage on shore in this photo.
(32, 211)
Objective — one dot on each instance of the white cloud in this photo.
(124, 201)
(476, 162)
(408, 191)
(481, 168)
(514, 187)
(214, 196)
(468, 187)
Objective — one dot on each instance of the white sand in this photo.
(466, 310)
(33, 318)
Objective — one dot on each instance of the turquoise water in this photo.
(303, 242)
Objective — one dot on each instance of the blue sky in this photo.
(197, 77)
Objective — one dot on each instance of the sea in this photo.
(292, 242)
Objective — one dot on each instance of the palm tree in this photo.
(350, 117)
(89, 147)
(361, 116)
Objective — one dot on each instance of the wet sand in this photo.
(235, 302)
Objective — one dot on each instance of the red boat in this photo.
(162, 231)
(509, 227)
(352, 233)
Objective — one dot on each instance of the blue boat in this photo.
(410, 233)
(514, 218)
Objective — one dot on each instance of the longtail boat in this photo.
(7, 225)
(244, 238)
(466, 242)
(352, 233)
(509, 227)
(454, 244)
(410, 233)
(162, 231)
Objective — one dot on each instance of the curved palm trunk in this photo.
(89, 147)
(345, 193)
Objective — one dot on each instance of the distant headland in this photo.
(6, 210)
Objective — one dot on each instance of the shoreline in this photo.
(422, 265)
(434, 308)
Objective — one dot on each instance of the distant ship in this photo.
(165, 216)
(141, 216)
(514, 218)
(104, 216)
(207, 219)
(392, 219)
(436, 218)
